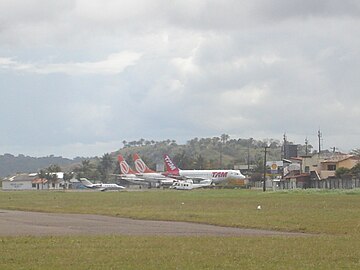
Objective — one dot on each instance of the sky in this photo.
(78, 77)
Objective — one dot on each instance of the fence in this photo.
(330, 183)
(335, 183)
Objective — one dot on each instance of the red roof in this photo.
(39, 181)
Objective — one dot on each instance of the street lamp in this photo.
(264, 183)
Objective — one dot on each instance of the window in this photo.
(331, 167)
(307, 169)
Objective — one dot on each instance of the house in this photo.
(296, 180)
(40, 183)
(19, 182)
(325, 166)
(26, 181)
(328, 167)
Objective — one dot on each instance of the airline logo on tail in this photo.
(170, 166)
(140, 165)
(124, 167)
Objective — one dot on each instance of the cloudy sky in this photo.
(77, 77)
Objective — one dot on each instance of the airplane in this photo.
(189, 184)
(142, 170)
(100, 186)
(146, 176)
(216, 176)
(129, 174)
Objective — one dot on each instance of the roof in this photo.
(296, 158)
(39, 181)
(302, 175)
(339, 159)
(20, 177)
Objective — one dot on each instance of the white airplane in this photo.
(129, 174)
(216, 176)
(142, 170)
(100, 186)
(143, 175)
(189, 184)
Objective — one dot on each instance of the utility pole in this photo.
(319, 137)
(248, 156)
(264, 183)
(306, 146)
(284, 146)
(220, 155)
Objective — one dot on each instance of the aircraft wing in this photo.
(136, 181)
(199, 179)
(129, 178)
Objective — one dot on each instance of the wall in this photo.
(16, 185)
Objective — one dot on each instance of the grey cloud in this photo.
(246, 68)
(282, 9)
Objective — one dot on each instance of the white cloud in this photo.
(113, 64)
(248, 96)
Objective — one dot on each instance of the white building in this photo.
(19, 182)
(26, 181)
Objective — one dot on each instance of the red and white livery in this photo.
(216, 176)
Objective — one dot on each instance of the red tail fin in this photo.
(170, 166)
(140, 165)
(124, 167)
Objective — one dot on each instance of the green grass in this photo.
(125, 252)
(299, 211)
(333, 217)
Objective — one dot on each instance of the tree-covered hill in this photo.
(205, 153)
(220, 152)
(10, 164)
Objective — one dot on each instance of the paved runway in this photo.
(16, 223)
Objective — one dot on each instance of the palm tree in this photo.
(224, 138)
(105, 166)
(85, 170)
(42, 175)
(51, 174)
(52, 178)
(67, 177)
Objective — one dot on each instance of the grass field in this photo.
(333, 216)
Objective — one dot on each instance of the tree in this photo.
(106, 166)
(51, 174)
(342, 172)
(42, 175)
(86, 170)
(200, 162)
(256, 177)
(67, 177)
(52, 178)
(355, 171)
(183, 161)
(224, 138)
(53, 168)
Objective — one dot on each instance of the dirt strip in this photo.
(17, 223)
